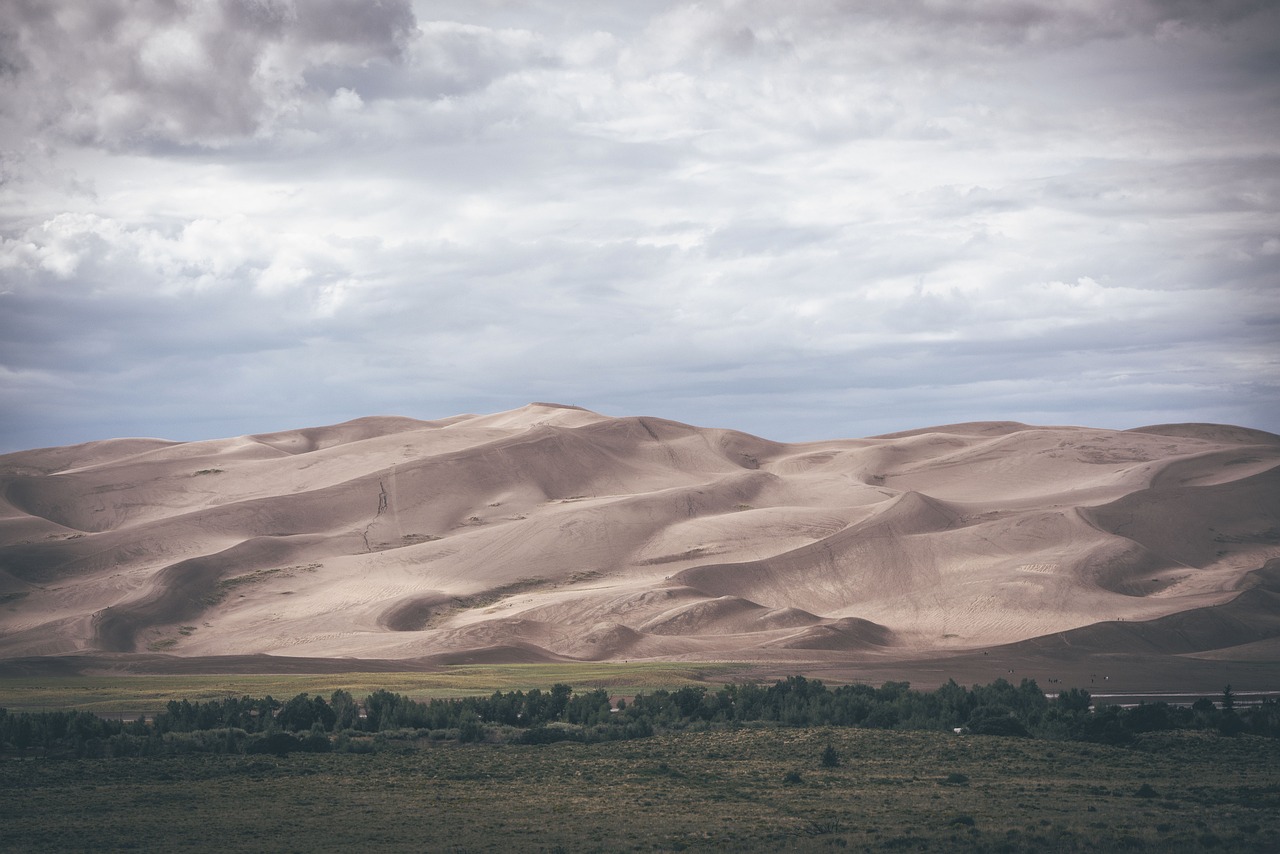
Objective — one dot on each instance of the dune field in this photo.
(554, 533)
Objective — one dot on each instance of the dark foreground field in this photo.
(735, 789)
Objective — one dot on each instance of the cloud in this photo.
(129, 74)
(792, 218)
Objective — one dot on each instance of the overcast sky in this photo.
(797, 218)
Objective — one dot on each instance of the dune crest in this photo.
(550, 532)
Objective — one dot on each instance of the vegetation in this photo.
(306, 723)
(756, 787)
(128, 695)
(793, 765)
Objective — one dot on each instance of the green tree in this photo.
(346, 713)
(470, 729)
(1074, 700)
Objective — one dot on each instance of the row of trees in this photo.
(249, 725)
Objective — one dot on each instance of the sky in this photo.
(805, 219)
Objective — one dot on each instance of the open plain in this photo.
(744, 790)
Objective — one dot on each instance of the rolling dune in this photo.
(555, 533)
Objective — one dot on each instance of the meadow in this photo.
(686, 765)
(749, 788)
(130, 695)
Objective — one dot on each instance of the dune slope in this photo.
(551, 533)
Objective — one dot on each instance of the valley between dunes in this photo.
(553, 533)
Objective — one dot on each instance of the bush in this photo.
(1230, 724)
(995, 720)
(279, 743)
(470, 730)
(315, 743)
(548, 735)
(347, 744)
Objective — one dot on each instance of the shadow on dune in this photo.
(848, 634)
(1252, 616)
(185, 590)
(412, 614)
(850, 566)
(515, 653)
(1195, 525)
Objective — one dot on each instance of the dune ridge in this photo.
(554, 533)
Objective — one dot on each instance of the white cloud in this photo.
(721, 211)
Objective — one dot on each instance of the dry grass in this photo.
(747, 789)
(116, 694)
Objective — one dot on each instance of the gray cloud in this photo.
(125, 74)
(800, 219)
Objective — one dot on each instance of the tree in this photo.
(560, 695)
(830, 759)
(346, 712)
(995, 720)
(1074, 700)
(470, 729)
(954, 703)
(303, 712)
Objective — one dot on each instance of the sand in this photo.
(555, 533)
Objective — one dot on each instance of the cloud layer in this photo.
(799, 219)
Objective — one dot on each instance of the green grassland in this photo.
(116, 694)
(741, 789)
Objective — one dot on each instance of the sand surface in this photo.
(551, 532)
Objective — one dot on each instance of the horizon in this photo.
(194, 438)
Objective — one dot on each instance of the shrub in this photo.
(995, 720)
(315, 743)
(279, 743)
(548, 735)
(470, 730)
(830, 759)
(1230, 724)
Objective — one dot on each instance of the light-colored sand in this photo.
(552, 531)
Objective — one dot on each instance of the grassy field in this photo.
(750, 789)
(129, 694)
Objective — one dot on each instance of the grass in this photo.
(750, 789)
(133, 694)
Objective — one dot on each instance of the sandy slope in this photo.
(554, 532)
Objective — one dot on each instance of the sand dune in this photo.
(1250, 619)
(555, 533)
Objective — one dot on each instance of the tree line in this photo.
(312, 723)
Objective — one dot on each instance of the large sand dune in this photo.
(551, 532)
